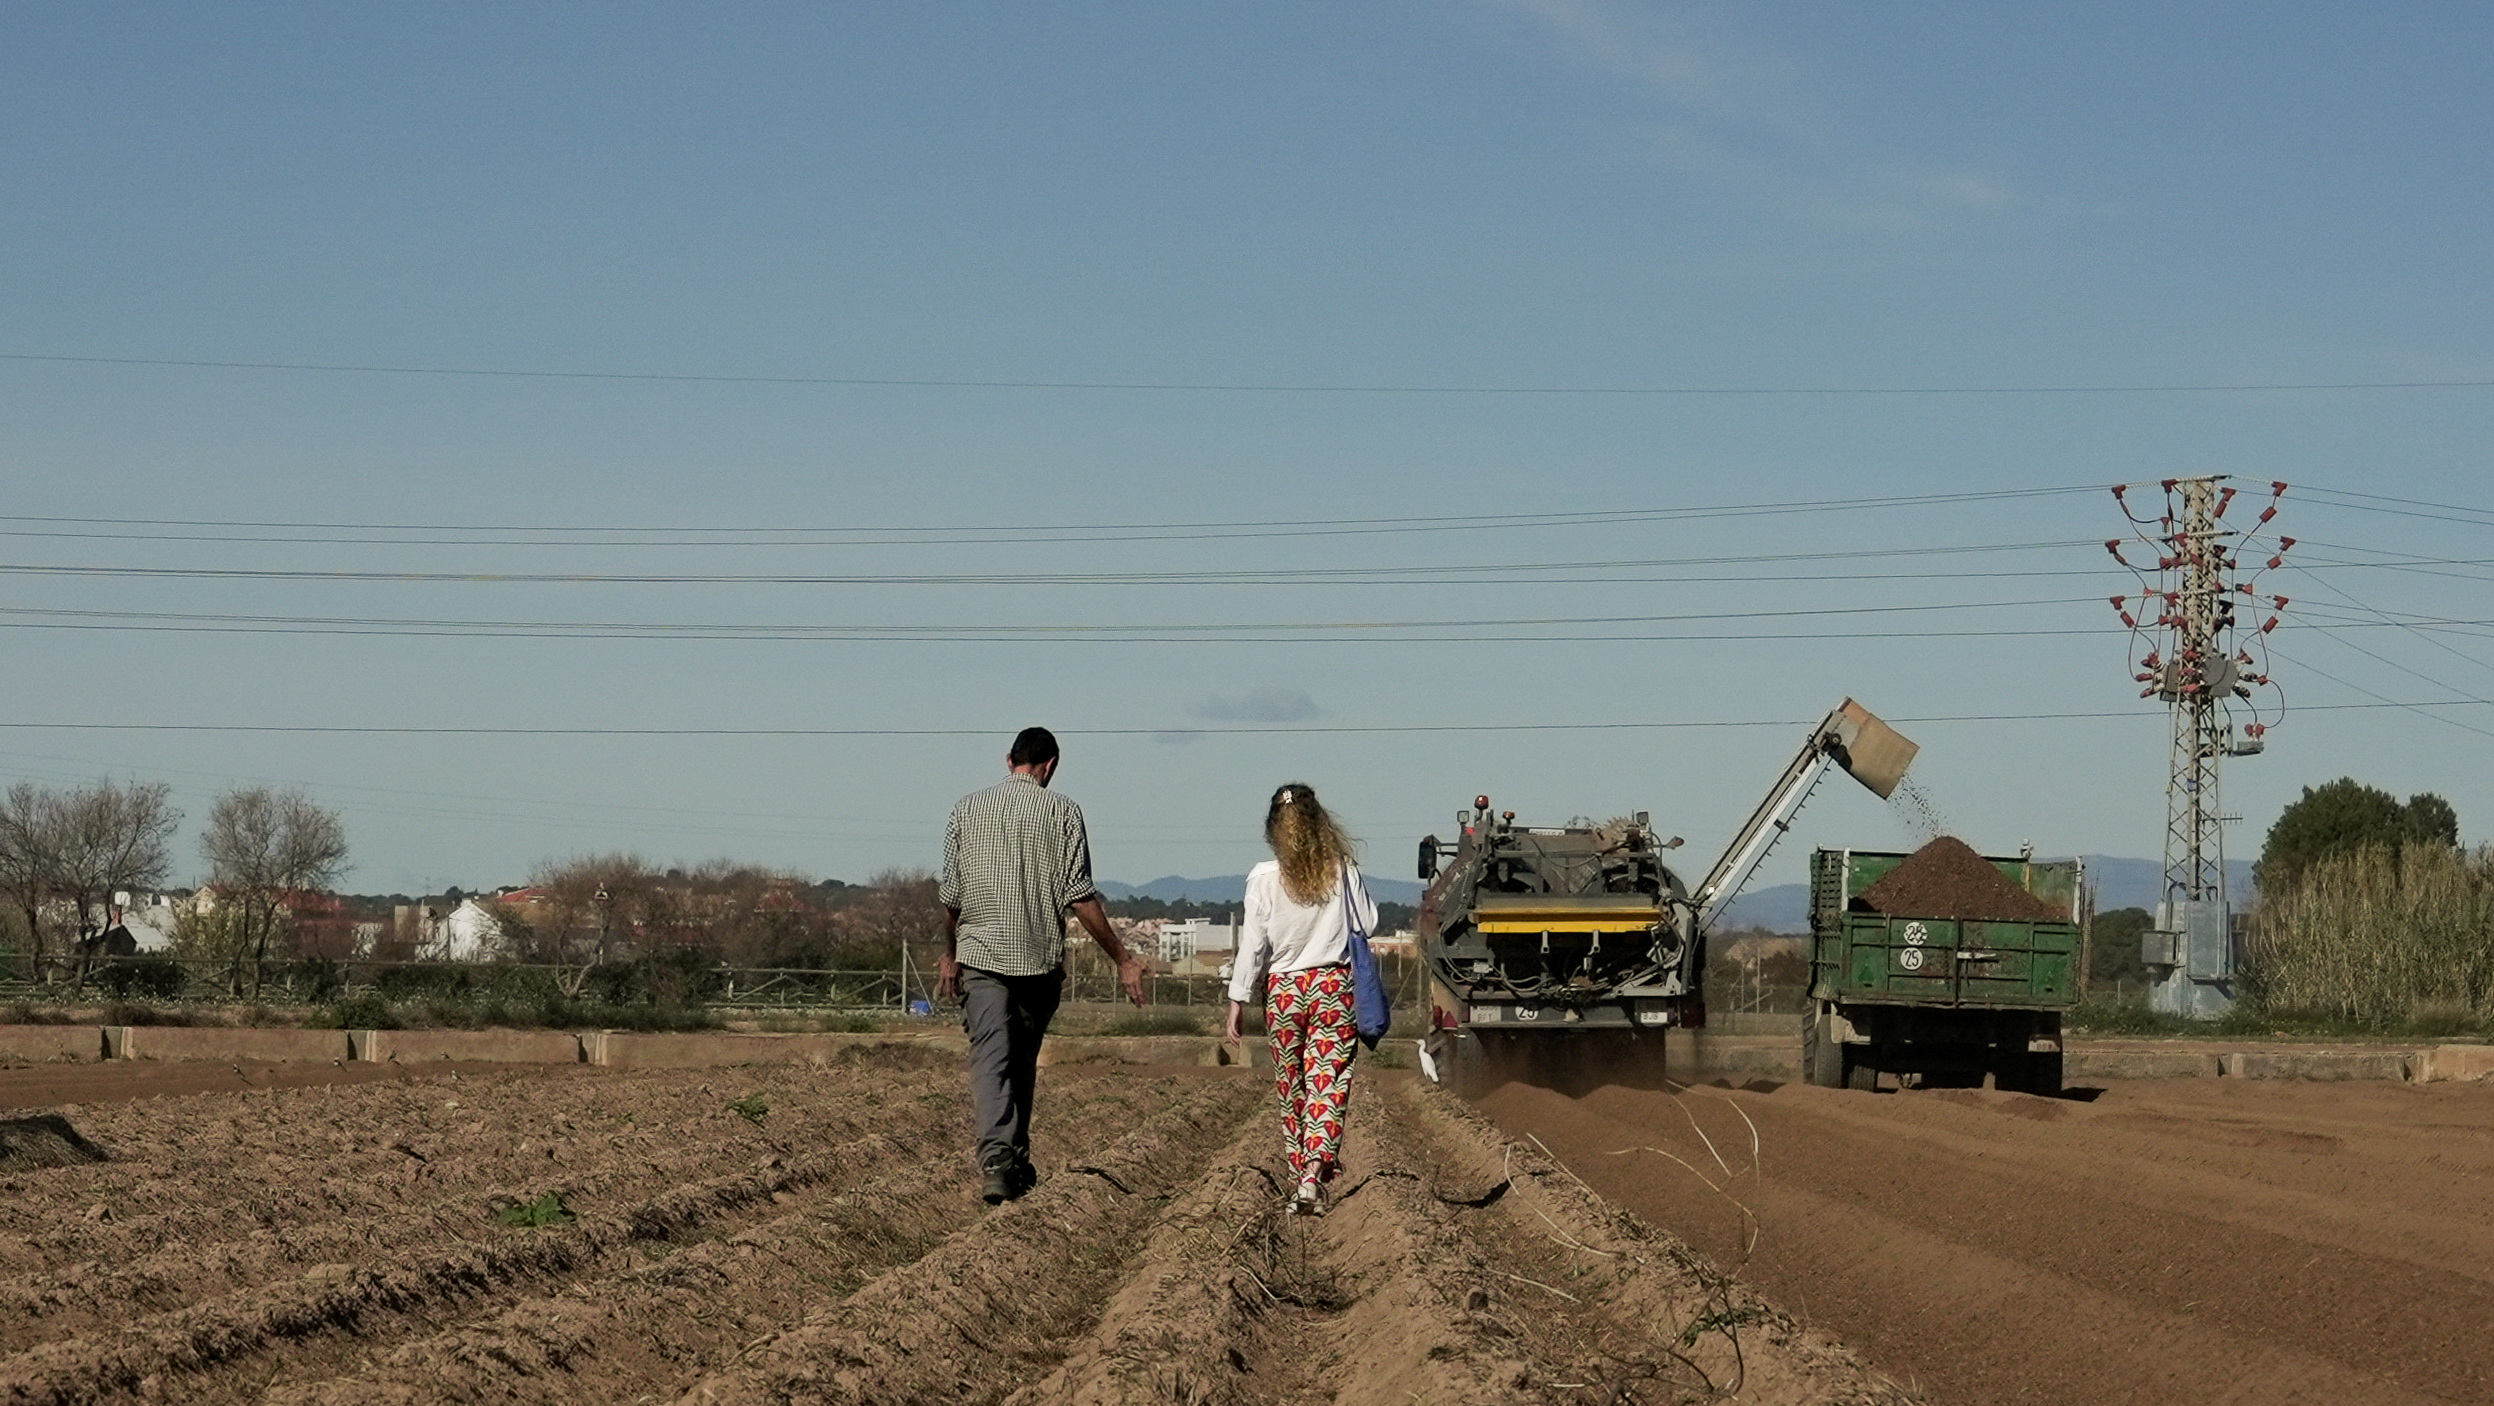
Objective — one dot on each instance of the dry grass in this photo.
(2384, 939)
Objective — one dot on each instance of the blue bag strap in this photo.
(1350, 906)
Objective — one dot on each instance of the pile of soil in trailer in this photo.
(1947, 879)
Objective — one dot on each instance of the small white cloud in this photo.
(1727, 109)
(1270, 704)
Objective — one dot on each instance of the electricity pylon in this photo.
(2199, 664)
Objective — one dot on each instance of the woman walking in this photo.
(1296, 943)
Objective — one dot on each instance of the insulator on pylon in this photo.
(2265, 514)
(2274, 563)
(2224, 496)
(2168, 484)
(2270, 624)
(2286, 544)
(2279, 601)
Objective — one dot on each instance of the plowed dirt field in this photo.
(2177, 1241)
(791, 1234)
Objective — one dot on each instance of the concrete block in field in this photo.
(170, 1042)
(50, 1044)
(704, 1049)
(2081, 1064)
(2391, 1065)
(485, 1046)
(2455, 1062)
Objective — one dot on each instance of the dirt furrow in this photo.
(1176, 1331)
(1596, 1305)
(991, 1309)
(353, 1299)
(289, 1194)
(652, 1330)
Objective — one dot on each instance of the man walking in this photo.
(1016, 861)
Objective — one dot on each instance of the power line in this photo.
(1257, 730)
(967, 578)
(2420, 709)
(1238, 388)
(835, 535)
(313, 624)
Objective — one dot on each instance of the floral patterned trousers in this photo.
(1309, 1018)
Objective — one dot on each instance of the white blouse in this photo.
(1283, 935)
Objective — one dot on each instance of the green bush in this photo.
(2104, 1015)
(143, 978)
(1154, 1022)
(364, 1011)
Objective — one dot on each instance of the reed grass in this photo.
(2392, 940)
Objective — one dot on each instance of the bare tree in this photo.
(29, 858)
(108, 837)
(899, 911)
(262, 848)
(591, 907)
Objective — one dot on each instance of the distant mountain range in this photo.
(2119, 883)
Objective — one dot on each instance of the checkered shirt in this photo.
(1015, 855)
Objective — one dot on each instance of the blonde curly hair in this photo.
(1310, 843)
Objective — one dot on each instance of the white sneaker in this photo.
(1310, 1200)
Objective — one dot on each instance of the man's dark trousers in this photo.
(1005, 1017)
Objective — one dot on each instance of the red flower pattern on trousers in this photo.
(1309, 1018)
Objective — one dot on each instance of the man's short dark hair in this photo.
(1032, 746)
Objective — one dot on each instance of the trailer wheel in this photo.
(1822, 1056)
(1861, 1072)
(2043, 1074)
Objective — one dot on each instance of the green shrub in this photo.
(364, 1011)
(141, 1013)
(149, 978)
(2099, 1015)
(545, 1210)
(1154, 1022)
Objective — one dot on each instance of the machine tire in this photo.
(2043, 1075)
(1822, 1057)
(1859, 1069)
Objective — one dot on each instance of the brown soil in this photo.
(2186, 1240)
(1947, 879)
(2204, 1241)
(342, 1243)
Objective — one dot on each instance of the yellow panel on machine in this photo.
(1581, 912)
(1559, 921)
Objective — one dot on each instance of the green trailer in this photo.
(1945, 1000)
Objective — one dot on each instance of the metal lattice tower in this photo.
(2196, 665)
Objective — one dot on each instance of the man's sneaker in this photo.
(997, 1182)
(1021, 1179)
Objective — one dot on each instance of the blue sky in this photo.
(999, 324)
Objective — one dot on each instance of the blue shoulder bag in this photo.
(1372, 1009)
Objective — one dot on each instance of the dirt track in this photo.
(2202, 1241)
